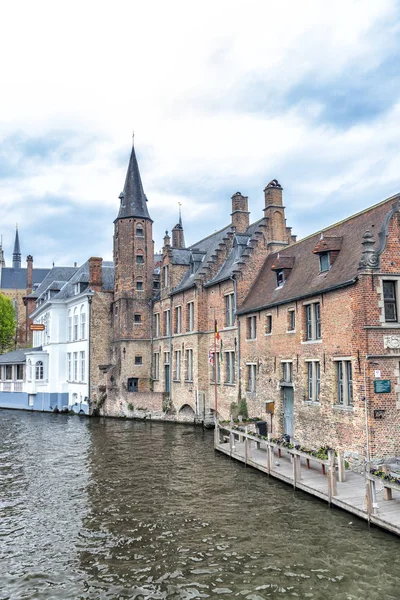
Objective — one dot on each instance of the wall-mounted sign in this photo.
(382, 386)
(377, 373)
(37, 327)
(270, 407)
(379, 413)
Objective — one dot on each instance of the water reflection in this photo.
(117, 509)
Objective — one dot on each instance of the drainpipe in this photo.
(232, 277)
(151, 303)
(170, 348)
(88, 334)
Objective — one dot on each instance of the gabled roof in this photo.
(15, 279)
(82, 276)
(59, 274)
(17, 356)
(305, 278)
(133, 199)
(205, 248)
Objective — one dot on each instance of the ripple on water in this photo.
(94, 509)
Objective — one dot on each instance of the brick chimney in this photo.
(273, 194)
(29, 273)
(95, 274)
(240, 213)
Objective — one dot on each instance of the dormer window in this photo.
(324, 261)
(280, 278)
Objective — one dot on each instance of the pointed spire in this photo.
(133, 198)
(2, 261)
(16, 264)
(178, 237)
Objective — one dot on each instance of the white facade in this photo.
(65, 354)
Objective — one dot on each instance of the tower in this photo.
(178, 236)
(16, 259)
(133, 283)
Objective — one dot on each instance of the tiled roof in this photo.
(82, 276)
(56, 274)
(133, 199)
(305, 278)
(16, 278)
(17, 356)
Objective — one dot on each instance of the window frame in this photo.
(313, 322)
(251, 377)
(344, 382)
(230, 367)
(230, 309)
(189, 365)
(190, 316)
(251, 327)
(313, 386)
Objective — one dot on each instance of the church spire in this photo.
(16, 259)
(133, 198)
(178, 236)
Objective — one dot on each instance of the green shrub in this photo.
(243, 409)
(130, 406)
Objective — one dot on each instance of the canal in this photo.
(93, 509)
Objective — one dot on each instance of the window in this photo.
(165, 276)
(69, 366)
(83, 324)
(75, 366)
(390, 301)
(280, 278)
(167, 322)
(137, 318)
(156, 365)
(324, 262)
(9, 372)
(229, 367)
(268, 324)
(251, 328)
(251, 377)
(287, 372)
(139, 231)
(82, 377)
(313, 381)
(39, 370)
(344, 382)
(20, 372)
(75, 325)
(177, 373)
(70, 326)
(189, 365)
(215, 367)
(229, 310)
(139, 259)
(313, 321)
(139, 285)
(178, 319)
(291, 320)
(190, 316)
(138, 360)
(157, 325)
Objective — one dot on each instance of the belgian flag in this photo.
(216, 332)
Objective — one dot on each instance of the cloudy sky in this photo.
(223, 96)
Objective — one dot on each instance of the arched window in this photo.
(75, 324)
(83, 323)
(139, 259)
(70, 326)
(139, 230)
(39, 370)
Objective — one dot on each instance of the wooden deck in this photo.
(363, 496)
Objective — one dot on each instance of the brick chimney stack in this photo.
(95, 274)
(29, 274)
(273, 194)
(240, 212)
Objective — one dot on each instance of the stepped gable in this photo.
(240, 249)
(202, 252)
(305, 278)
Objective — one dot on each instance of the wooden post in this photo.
(296, 469)
(387, 492)
(230, 442)
(245, 446)
(341, 467)
(308, 463)
(368, 498)
(268, 449)
(332, 472)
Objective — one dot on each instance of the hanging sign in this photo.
(37, 327)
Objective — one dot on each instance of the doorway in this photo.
(288, 406)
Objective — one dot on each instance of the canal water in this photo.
(93, 509)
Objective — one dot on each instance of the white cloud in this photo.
(183, 76)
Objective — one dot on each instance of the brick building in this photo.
(322, 335)
(300, 324)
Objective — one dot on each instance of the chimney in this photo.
(29, 274)
(75, 264)
(95, 274)
(273, 194)
(178, 238)
(240, 213)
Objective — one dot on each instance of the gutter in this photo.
(302, 297)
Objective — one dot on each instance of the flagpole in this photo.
(215, 369)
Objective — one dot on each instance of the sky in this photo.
(222, 96)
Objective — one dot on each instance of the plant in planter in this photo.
(234, 411)
(243, 410)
